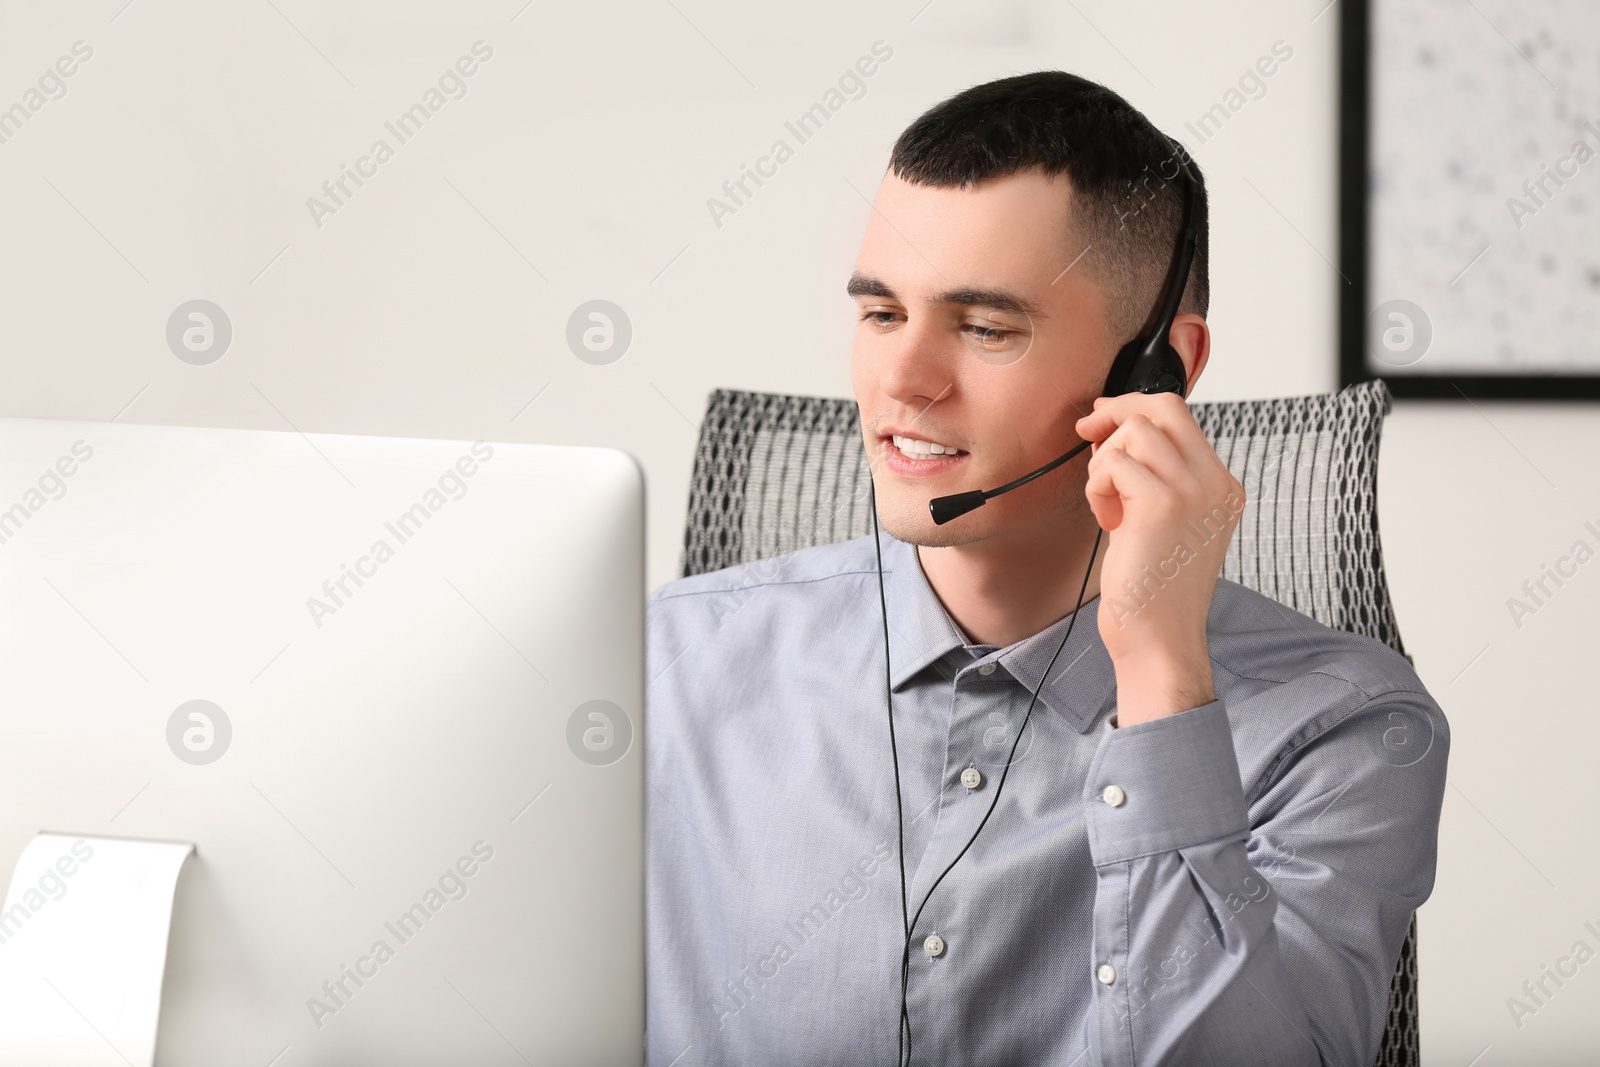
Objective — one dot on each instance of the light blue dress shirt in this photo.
(1229, 886)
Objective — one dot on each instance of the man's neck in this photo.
(1016, 583)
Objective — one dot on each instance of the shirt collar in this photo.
(1082, 681)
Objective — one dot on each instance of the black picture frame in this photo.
(1355, 110)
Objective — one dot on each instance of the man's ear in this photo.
(1191, 337)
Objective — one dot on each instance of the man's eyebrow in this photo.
(866, 285)
(998, 299)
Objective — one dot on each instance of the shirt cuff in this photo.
(1162, 785)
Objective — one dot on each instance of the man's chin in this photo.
(908, 520)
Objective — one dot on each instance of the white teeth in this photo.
(922, 449)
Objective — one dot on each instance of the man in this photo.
(1201, 854)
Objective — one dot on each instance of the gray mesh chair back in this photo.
(776, 473)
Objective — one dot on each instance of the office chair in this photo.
(775, 473)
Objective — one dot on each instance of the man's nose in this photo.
(919, 368)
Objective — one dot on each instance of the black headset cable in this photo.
(908, 921)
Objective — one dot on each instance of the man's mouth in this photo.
(917, 448)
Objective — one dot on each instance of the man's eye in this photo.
(880, 318)
(991, 335)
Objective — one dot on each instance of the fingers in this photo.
(1112, 474)
(1158, 460)
(1166, 410)
(1151, 457)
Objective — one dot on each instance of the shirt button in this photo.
(1114, 796)
(1107, 974)
(986, 670)
(934, 946)
(972, 778)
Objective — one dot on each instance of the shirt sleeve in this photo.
(1263, 928)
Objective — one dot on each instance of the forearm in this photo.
(1182, 919)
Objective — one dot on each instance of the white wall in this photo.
(435, 301)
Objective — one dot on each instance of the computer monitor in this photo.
(391, 689)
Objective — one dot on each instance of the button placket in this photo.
(947, 821)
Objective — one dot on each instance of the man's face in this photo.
(979, 331)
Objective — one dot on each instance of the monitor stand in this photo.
(83, 945)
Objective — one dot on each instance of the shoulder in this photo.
(822, 567)
(771, 599)
(1291, 683)
(1255, 637)
(723, 646)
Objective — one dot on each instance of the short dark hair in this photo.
(1125, 207)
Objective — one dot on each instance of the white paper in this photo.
(83, 944)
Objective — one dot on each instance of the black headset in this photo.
(1146, 364)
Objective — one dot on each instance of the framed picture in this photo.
(1470, 197)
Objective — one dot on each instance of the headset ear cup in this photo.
(1144, 366)
(1117, 381)
(1165, 373)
